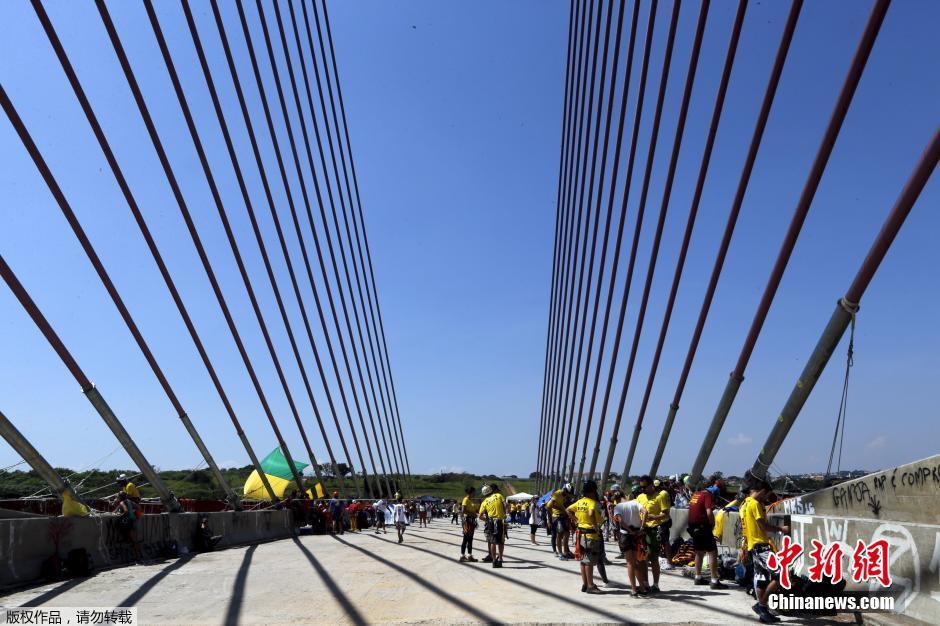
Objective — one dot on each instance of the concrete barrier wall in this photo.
(26, 543)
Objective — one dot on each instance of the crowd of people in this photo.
(636, 519)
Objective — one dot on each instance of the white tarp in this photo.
(520, 497)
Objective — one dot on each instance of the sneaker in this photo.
(463, 559)
(583, 588)
(471, 559)
(717, 584)
(593, 591)
(654, 589)
(498, 563)
(564, 558)
(701, 581)
(495, 564)
(644, 592)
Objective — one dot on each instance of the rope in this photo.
(839, 432)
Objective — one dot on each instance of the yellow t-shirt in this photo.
(469, 506)
(653, 506)
(494, 506)
(588, 514)
(751, 512)
(131, 490)
(557, 503)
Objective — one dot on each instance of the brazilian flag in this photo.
(279, 474)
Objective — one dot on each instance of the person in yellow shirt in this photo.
(756, 529)
(557, 506)
(469, 510)
(655, 515)
(493, 512)
(587, 517)
(665, 526)
(133, 493)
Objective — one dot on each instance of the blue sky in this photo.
(455, 114)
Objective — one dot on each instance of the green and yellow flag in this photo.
(279, 474)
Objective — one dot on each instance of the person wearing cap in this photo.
(493, 512)
(557, 505)
(701, 529)
(132, 492)
(630, 518)
(756, 529)
(587, 517)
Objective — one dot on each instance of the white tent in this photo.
(520, 497)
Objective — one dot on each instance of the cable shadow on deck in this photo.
(238, 589)
(151, 582)
(334, 589)
(469, 608)
(52, 593)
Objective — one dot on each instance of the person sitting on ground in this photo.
(493, 511)
(655, 516)
(756, 530)
(557, 505)
(127, 522)
(701, 528)
(587, 517)
(469, 510)
(629, 520)
(400, 518)
(205, 540)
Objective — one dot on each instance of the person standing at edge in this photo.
(469, 510)
(587, 517)
(557, 505)
(654, 517)
(701, 528)
(629, 520)
(493, 511)
(756, 530)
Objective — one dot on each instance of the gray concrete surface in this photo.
(26, 543)
(359, 578)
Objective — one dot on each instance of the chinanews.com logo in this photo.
(869, 563)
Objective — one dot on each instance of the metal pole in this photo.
(847, 307)
(169, 500)
(26, 450)
(853, 76)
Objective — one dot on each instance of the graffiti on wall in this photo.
(870, 492)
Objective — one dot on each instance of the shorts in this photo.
(533, 528)
(561, 524)
(590, 551)
(702, 538)
(652, 540)
(763, 574)
(494, 530)
(627, 542)
(664, 532)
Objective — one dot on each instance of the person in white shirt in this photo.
(400, 517)
(533, 518)
(381, 508)
(629, 517)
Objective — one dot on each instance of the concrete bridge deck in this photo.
(364, 578)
